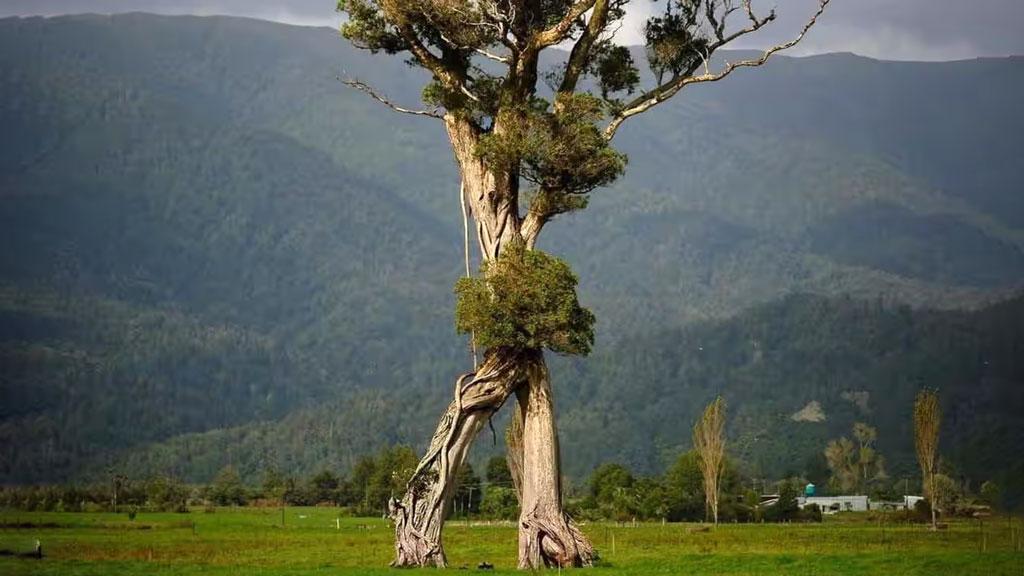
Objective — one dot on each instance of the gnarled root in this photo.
(419, 516)
(552, 539)
(547, 535)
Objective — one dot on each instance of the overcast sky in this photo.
(886, 29)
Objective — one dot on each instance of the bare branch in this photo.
(364, 87)
(491, 55)
(663, 92)
(560, 31)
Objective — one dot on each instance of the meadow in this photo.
(316, 541)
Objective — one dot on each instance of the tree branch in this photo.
(560, 31)
(581, 50)
(363, 87)
(663, 92)
(532, 225)
(450, 76)
(459, 46)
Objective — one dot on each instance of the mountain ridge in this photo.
(205, 172)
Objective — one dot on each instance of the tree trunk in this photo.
(931, 483)
(419, 516)
(493, 198)
(547, 535)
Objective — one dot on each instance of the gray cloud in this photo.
(299, 12)
(886, 29)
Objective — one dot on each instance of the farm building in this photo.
(832, 504)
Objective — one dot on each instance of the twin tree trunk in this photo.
(547, 536)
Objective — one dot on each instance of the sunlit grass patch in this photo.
(317, 541)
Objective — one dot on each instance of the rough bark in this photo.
(419, 516)
(493, 197)
(514, 453)
(547, 535)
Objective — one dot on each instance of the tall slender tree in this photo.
(709, 442)
(927, 419)
(525, 156)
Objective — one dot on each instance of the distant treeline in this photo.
(612, 492)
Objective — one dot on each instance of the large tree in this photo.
(527, 153)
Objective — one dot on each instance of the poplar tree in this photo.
(709, 442)
(927, 419)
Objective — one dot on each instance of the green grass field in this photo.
(313, 541)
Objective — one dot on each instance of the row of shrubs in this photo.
(611, 493)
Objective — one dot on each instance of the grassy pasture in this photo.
(314, 541)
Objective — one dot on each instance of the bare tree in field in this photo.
(525, 158)
(709, 442)
(927, 418)
(855, 466)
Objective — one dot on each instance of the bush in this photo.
(786, 509)
(227, 488)
(922, 511)
(811, 513)
(499, 503)
(167, 494)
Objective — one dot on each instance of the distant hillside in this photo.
(857, 360)
(213, 249)
(635, 403)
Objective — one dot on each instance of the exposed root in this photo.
(552, 540)
(419, 516)
(547, 536)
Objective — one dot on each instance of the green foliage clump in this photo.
(615, 70)
(675, 43)
(367, 27)
(167, 494)
(499, 502)
(562, 151)
(498, 472)
(227, 488)
(526, 299)
(381, 478)
(609, 479)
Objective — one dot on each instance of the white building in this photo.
(833, 504)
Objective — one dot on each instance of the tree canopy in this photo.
(484, 60)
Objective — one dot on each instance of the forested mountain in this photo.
(213, 250)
